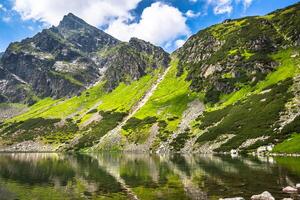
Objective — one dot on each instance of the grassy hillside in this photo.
(245, 72)
(60, 121)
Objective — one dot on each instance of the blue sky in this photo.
(167, 23)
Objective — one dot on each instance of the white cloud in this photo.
(179, 43)
(30, 28)
(226, 6)
(246, 3)
(193, 1)
(192, 14)
(221, 6)
(159, 24)
(95, 12)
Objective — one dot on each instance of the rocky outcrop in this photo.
(62, 61)
(130, 61)
(221, 58)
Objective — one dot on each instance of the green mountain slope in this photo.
(235, 85)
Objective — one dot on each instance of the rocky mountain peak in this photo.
(84, 36)
(72, 22)
(62, 61)
(141, 44)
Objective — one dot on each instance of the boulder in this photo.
(298, 186)
(289, 189)
(263, 196)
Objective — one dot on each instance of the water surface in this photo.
(39, 176)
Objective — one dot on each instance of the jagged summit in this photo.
(63, 60)
(83, 35)
(72, 21)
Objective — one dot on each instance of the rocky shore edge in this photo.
(294, 193)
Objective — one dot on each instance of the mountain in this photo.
(62, 61)
(234, 85)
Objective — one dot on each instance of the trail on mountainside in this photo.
(134, 109)
(141, 102)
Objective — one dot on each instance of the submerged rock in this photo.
(289, 189)
(263, 196)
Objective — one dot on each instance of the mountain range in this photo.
(234, 85)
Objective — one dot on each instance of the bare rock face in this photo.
(64, 60)
(263, 196)
(134, 60)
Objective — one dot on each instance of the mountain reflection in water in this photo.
(141, 176)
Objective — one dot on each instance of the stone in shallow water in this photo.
(263, 196)
(233, 198)
(289, 189)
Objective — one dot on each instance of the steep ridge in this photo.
(244, 71)
(233, 85)
(63, 61)
(247, 72)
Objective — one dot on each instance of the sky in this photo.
(166, 23)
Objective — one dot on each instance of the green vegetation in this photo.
(35, 110)
(170, 99)
(288, 68)
(137, 130)
(34, 128)
(178, 143)
(252, 118)
(93, 132)
(67, 77)
(290, 145)
(165, 106)
(125, 96)
(290, 163)
(39, 120)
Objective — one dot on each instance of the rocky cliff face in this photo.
(222, 58)
(12, 88)
(130, 61)
(64, 60)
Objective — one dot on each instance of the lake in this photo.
(138, 176)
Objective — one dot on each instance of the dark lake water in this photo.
(33, 176)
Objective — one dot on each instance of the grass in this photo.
(165, 106)
(137, 130)
(67, 77)
(35, 110)
(288, 68)
(170, 99)
(125, 96)
(290, 145)
(95, 131)
(251, 118)
(113, 106)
